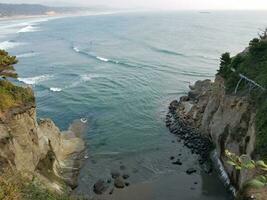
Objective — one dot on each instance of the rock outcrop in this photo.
(39, 149)
(227, 119)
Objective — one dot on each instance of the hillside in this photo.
(7, 10)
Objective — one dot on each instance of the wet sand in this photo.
(170, 187)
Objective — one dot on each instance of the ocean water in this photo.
(121, 71)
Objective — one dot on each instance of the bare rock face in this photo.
(227, 119)
(40, 149)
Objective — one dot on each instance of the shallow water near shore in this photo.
(121, 71)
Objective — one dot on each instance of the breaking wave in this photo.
(54, 89)
(27, 55)
(99, 58)
(35, 80)
(28, 28)
(9, 44)
(102, 59)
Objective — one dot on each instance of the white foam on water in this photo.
(28, 28)
(35, 80)
(223, 175)
(102, 59)
(27, 55)
(83, 78)
(88, 77)
(9, 45)
(84, 120)
(76, 49)
(54, 89)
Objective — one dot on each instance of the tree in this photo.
(225, 61)
(6, 65)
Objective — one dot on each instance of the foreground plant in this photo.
(245, 162)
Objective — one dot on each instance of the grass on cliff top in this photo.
(13, 96)
(253, 64)
(10, 95)
(14, 187)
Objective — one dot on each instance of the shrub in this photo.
(6, 65)
(13, 96)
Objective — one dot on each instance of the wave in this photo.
(88, 77)
(102, 59)
(144, 65)
(223, 174)
(76, 49)
(28, 28)
(82, 79)
(54, 89)
(35, 80)
(171, 52)
(38, 79)
(27, 55)
(9, 45)
(166, 51)
(99, 58)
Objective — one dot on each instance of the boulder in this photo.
(100, 187)
(191, 171)
(119, 182)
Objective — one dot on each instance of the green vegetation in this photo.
(11, 95)
(35, 192)
(14, 96)
(253, 64)
(259, 182)
(14, 187)
(6, 65)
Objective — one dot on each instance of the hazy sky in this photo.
(158, 4)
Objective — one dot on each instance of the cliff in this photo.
(227, 119)
(37, 149)
(231, 112)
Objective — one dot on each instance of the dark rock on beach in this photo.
(172, 158)
(111, 191)
(125, 176)
(192, 139)
(191, 171)
(115, 174)
(100, 187)
(177, 162)
(119, 182)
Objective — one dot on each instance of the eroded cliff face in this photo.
(228, 119)
(39, 149)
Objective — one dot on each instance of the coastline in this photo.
(61, 15)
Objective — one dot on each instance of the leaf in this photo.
(261, 163)
(255, 184)
(231, 163)
(249, 165)
(262, 179)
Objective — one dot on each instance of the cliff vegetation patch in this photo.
(246, 74)
(11, 95)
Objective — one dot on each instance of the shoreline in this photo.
(20, 17)
(61, 15)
